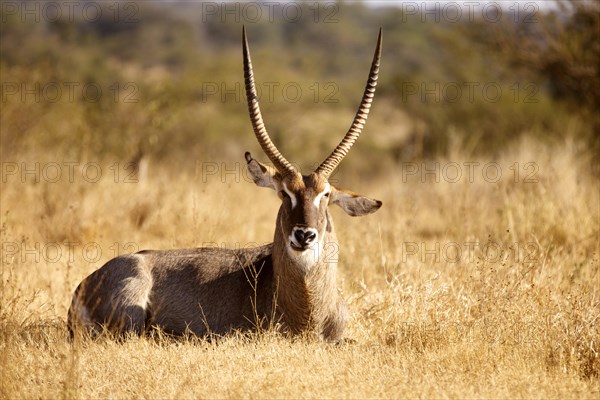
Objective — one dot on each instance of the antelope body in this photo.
(291, 282)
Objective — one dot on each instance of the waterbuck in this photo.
(290, 283)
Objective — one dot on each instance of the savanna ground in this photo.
(458, 289)
(478, 278)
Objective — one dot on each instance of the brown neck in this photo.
(306, 283)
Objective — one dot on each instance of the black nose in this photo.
(304, 237)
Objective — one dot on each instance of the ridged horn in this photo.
(332, 161)
(280, 163)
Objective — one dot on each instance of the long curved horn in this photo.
(280, 163)
(332, 161)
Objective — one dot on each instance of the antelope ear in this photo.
(263, 175)
(354, 204)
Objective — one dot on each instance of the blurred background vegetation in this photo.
(172, 81)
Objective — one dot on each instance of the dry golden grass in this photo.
(515, 314)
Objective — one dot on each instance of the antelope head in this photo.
(303, 220)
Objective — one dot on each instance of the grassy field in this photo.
(479, 280)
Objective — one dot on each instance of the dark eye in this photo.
(326, 194)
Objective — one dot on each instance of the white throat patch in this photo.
(307, 258)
